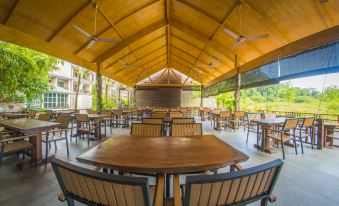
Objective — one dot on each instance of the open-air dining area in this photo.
(169, 102)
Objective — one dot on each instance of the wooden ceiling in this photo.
(160, 34)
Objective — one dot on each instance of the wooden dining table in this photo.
(163, 155)
(265, 125)
(30, 126)
(14, 115)
(97, 118)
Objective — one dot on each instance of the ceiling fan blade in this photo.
(109, 40)
(82, 31)
(236, 45)
(121, 62)
(90, 44)
(231, 33)
(251, 38)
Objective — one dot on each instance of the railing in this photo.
(326, 117)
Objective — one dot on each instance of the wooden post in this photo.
(201, 99)
(320, 133)
(119, 98)
(99, 88)
(237, 85)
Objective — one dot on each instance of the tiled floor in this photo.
(309, 179)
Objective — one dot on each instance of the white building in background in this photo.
(64, 83)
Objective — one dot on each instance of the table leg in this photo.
(97, 129)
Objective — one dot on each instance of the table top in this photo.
(270, 121)
(26, 125)
(96, 116)
(331, 124)
(15, 115)
(163, 154)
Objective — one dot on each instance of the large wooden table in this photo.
(30, 126)
(162, 154)
(265, 125)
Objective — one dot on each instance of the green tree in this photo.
(24, 73)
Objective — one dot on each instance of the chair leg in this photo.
(282, 147)
(312, 136)
(70, 202)
(67, 144)
(264, 201)
(46, 150)
(248, 132)
(55, 146)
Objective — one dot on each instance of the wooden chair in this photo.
(50, 112)
(234, 188)
(90, 111)
(283, 134)
(176, 114)
(251, 127)
(182, 120)
(150, 130)
(31, 114)
(186, 129)
(224, 120)
(16, 145)
(153, 120)
(107, 121)
(306, 130)
(238, 119)
(158, 114)
(94, 188)
(84, 126)
(270, 115)
(119, 119)
(57, 134)
(45, 117)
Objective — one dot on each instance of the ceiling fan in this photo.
(125, 64)
(94, 39)
(240, 38)
(212, 63)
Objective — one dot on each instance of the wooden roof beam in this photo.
(183, 69)
(68, 21)
(167, 16)
(125, 42)
(11, 12)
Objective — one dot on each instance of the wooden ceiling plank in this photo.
(14, 36)
(195, 76)
(202, 37)
(68, 21)
(192, 6)
(144, 32)
(140, 57)
(321, 38)
(11, 12)
(133, 75)
(220, 28)
(165, 85)
(135, 11)
(273, 28)
(198, 73)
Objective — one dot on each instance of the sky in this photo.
(316, 82)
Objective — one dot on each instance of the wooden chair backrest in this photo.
(158, 114)
(81, 117)
(270, 115)
(63, 120)
(233, 188)
(183, 120)
(239, 114)
(90, 111)
(50, 112)
(106, 112)
(253, 116)
(225, 113)
(153, 120)
(186, 129)
(31, 114)
(117, 112)
(150, 130)
(94, 188)
(176, 114)
(291, 123)
(45, 117)
(307, 122)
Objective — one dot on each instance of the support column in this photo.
(201, 99)
(237, 85)
(99, 88)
